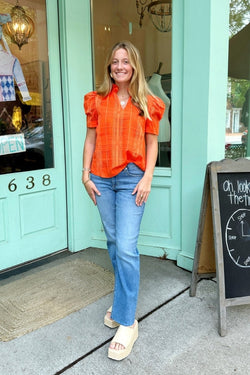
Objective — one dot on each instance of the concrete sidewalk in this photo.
(178, 334)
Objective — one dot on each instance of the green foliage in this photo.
(239, 87)
(239, 15)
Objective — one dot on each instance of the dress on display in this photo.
(10, 69)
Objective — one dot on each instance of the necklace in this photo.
(123, 100)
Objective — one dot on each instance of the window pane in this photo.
(238, 98)
(26, 141)
(114, 21)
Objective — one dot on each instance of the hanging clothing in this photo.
(10, 69)
(4, 18)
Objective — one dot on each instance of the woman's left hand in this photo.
(142, 190)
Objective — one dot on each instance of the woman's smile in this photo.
(121, 69)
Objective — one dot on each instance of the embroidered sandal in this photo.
(110, 322)
(125, 336)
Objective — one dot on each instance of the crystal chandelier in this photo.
(160, 13)
(21, 26)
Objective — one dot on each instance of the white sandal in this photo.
(125, 336)
(110, 322)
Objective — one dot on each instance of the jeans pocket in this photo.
(133, 170)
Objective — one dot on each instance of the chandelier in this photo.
(21, 26)
(160, 13)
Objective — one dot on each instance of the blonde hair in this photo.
(138, 88)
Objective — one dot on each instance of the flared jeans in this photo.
(121, 219)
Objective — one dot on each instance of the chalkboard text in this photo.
(238, 192)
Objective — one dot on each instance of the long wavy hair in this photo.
(138, 88)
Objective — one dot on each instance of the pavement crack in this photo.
(163, 304)
(72, 364)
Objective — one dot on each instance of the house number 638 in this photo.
(31, 182)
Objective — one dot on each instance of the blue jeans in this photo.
(121, 219)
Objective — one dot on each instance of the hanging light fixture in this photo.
(21, 26)
(160, 13)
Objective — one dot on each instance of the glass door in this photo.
(32, 173)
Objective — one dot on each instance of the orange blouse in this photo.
(120, 132)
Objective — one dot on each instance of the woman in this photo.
(120, 151)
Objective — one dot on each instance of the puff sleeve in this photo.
(90, 109)
(156, 108)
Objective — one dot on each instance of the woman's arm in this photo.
(88, 151)
(143, 188)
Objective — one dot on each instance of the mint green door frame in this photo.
(199, 70)
(76, 65)
(205, 61)
(160, 234)
(33, 217)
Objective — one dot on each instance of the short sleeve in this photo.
(90, 109)
(156, 108)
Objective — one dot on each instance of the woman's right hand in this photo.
(91, 189)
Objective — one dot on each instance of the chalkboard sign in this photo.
(234, 197)
(225, 217)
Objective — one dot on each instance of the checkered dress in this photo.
(10, 69)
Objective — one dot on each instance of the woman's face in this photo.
(121, 69)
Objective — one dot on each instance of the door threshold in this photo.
(26, 266)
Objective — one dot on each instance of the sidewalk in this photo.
(178, 334)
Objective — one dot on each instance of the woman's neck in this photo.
(122, 89)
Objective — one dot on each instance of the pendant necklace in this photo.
(123, 101)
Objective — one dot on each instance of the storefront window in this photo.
(114, 21)
(26, 141)
(238, 98)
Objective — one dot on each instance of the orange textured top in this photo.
(120, 132)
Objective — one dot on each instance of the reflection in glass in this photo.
(238, 98)
(26, 139)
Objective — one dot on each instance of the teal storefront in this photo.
(43, 207)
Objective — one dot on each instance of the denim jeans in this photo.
(121, 219)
